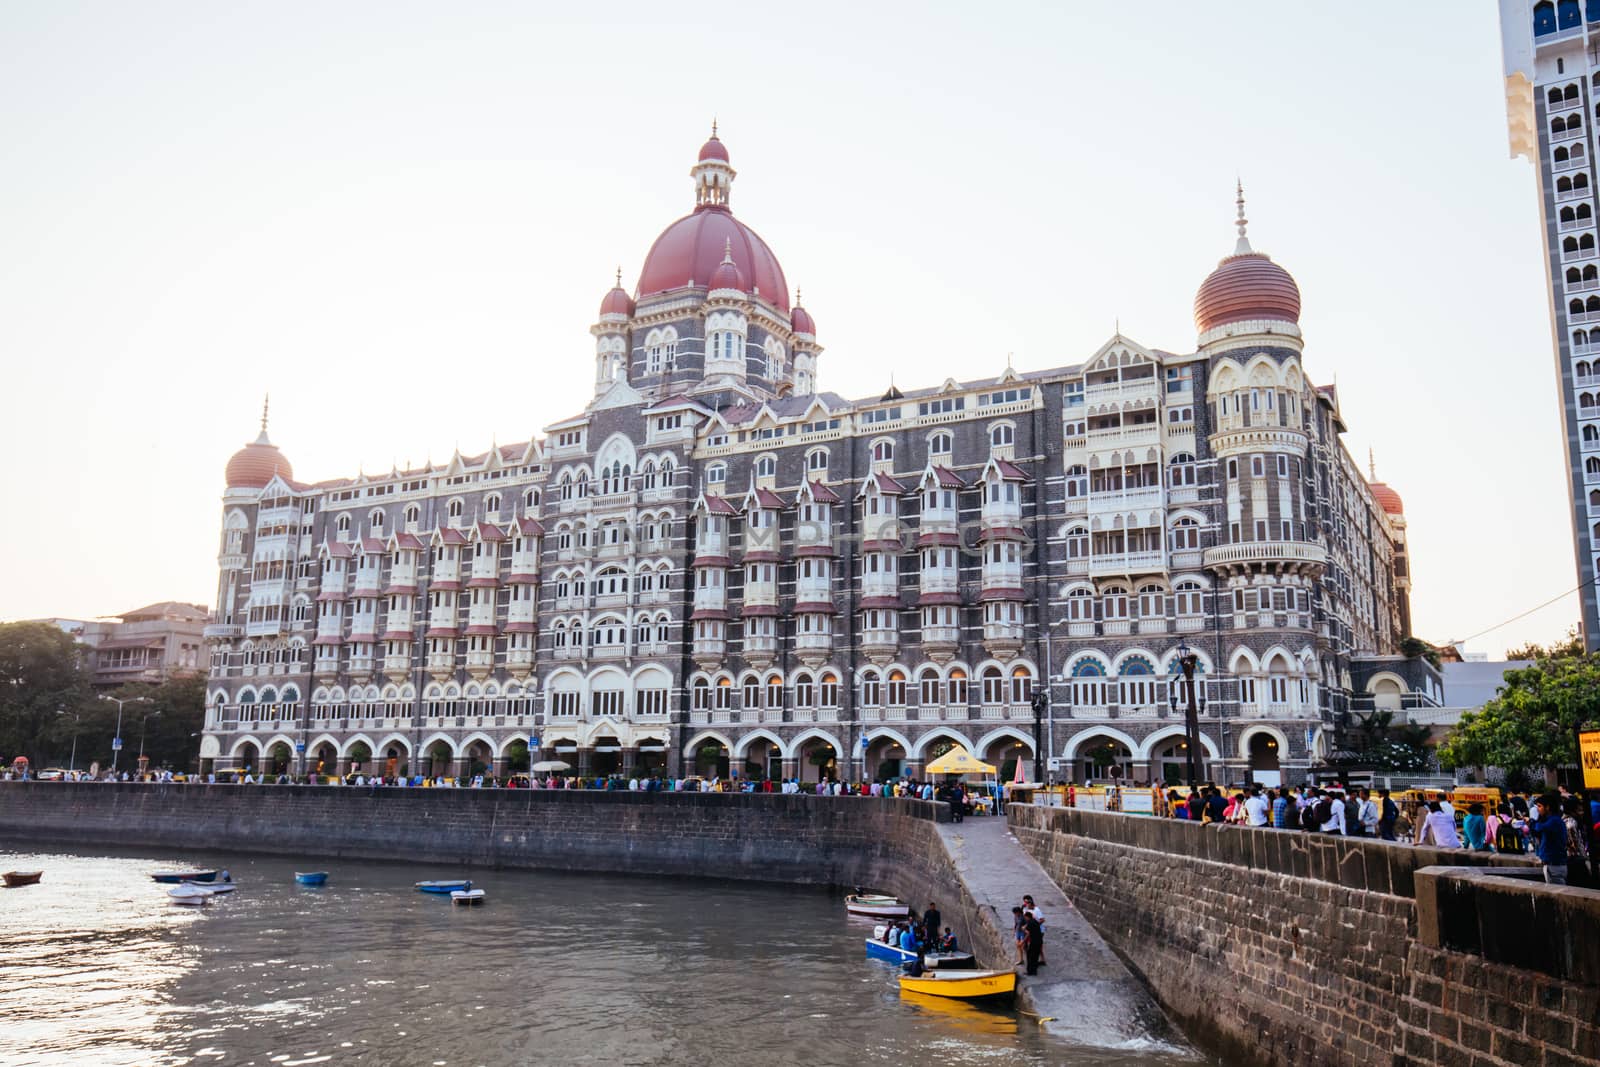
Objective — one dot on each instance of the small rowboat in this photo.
(190, 895)
(467, 897)
(962, 985)
(444, 886)
(13, 879)
(311, 877)
(883, 907)
(216, 889)
(174, 877)
(877, 949)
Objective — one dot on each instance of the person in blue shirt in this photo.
(908, 936)
(1550, 830)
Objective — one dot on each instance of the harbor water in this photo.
(96, 966)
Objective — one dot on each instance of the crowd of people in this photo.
(926, 935)
(1561, 827)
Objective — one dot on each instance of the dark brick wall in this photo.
(1282, 947)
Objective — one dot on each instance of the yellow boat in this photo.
(962, 985)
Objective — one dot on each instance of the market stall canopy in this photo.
(958, 761)
(551, 765)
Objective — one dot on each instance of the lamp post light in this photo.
(116, 742)
(77, 719)
(1188, 661)
(143, 722)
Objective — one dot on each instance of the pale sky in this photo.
(400, 218)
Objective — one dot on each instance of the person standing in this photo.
(1368, 815)
(1017, 931)
(1388, 815)
(1550, 830)
(1330, 814)
(931, 924)
(1033, 943)
(1256, 810)
(1037, 913)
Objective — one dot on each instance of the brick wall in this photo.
(1282, 947)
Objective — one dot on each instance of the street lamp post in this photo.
(143, 721)
(116, 742)
(1048, 709)
(1188, 661)
(77, 718)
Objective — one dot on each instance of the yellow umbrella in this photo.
(958, 761)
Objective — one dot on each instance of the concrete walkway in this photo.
(1085, 992)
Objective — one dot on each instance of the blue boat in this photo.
(878, 950)
(311, 877)
(174, 877)
(444, 887)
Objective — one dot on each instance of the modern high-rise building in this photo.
(714, 564)
(1552, 69)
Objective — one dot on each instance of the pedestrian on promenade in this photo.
(1017, 920)
(1388, 815)
(1331, 808)
(1257, 810)
(1550, 830)
(1439, 827)
(1368, 814)
(1476, 828)
(1574, 810)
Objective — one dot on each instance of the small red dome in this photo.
(800, 320)
(617, 302)
(728, 276)
(1246, 287)
(254, 465)
(1387, 499)
(713, 149)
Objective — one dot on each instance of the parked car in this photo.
(53, 774)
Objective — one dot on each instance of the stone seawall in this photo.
(1282, 947)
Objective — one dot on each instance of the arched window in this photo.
(1180, 470)
(1114, 600)
(1544, 18)
(752, 693)
(883, 451)
(702, 694)
(774, 691)
(375, 523)
(828, 689)
(1152, 602)
(766, 467)
(456, 507)
(871, 689)
(491, 503)
(940, 444)
(1186, 598)
(1077, 482)
(1185, 535)
(1080, 606)
(413, 513)
(716, 474)
(344, 523)
(928, 682)
(647, 475)
(1078, 543)
(958, 684)
(994, 688)
(1002, 433)
(804, 693)
(897, 689)
(1021, 685)
(530, 499)
(817, 460)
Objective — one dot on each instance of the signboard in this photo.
(116, 744)
(1589, 757)
(300, 747)
(1139, 801)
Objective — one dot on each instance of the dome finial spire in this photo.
(727, 250)
(261, 438)
(1372, 466)
(619, 276)
(1243, 247)
(713, 127)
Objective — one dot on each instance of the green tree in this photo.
(41, 673)
(1571, 645)
(171, 721)
(1412, 647)
(1531, 723)
(1380, 744)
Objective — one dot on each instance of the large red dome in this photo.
(1245, 287)
(688, 252)
(254, 465)
(1387, 498)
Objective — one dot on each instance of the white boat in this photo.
(467, 896)
(190, 895)
(885, 907)
(213, 890)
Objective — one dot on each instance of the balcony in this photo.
(1144, 561)
(1125, 436)
(1117, 392)
(1271, 552)
(222, 631)
(1139, 499)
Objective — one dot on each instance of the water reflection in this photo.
(96, 965)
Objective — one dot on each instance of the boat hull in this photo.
(886, 909)
(878, 950)
(468, 897)
(958, 985)
(174, 877)
(311, 878)
(443, 887)
(14, 879)
(190, 895)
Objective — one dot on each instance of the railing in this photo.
(1140, 562)
(1121, 499)
(1266, 552)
